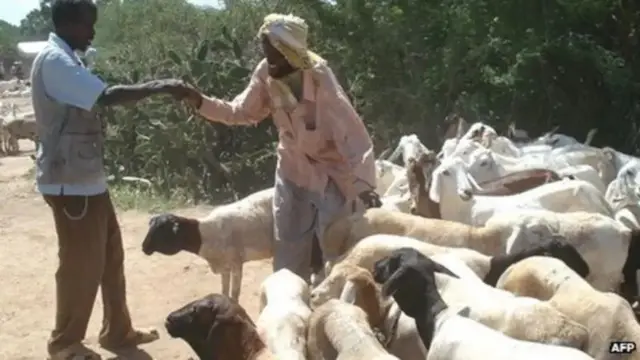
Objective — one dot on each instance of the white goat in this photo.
(602, 241)
(607, 316)
(284, 315)
(19, 126)
(229, 236)
(522, 318)
(409, 146)
(387, 173)
(485, 165)
(452, 187)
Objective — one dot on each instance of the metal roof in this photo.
(30, 48)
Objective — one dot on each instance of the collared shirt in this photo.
(321, 137)
(67, 81)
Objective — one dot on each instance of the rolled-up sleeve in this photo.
(248, 108)
(70, 83)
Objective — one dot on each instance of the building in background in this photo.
(27, 51)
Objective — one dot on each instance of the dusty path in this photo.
(28, 259)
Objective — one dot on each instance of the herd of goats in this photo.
(490, 248)
(15, 125)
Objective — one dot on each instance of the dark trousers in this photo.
(90, 256)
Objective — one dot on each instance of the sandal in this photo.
(75, 352)
(135, 338)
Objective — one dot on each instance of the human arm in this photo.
(250, 107)
(68, 82)
(350, 138)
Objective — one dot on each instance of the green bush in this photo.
(406, 63)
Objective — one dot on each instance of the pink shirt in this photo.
(339, 147)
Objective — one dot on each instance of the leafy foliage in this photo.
(37, 24)
(9, 37)
(405, 63)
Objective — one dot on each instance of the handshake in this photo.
(179, 90)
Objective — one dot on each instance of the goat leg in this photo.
(236, 282)
(225, 276)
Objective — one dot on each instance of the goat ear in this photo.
(391, 285)
(465, 312)
(608, 153)
(515, 236)
(437, 267)
(349, 292)
(263, 300)
(210, 334)
(434, 188)
(384, 153)
(431, 156)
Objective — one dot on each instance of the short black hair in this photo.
(69, 11)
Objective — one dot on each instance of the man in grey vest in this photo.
(70, 175)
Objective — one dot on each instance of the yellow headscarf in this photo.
(288, 34)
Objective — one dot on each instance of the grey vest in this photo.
(71, 139)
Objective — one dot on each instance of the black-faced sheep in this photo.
(228, 237)
(409, 277)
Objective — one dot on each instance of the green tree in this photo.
(37, 24)
(9, 38)
(405, 63)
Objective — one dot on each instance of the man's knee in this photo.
(82, 239)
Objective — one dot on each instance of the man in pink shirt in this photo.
(326, 163)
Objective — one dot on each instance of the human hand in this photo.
(370, 199)
(183, 91)
(193, 96)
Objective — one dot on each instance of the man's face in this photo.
(82, 31)
(278, 64)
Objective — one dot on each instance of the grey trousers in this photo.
(299, 215)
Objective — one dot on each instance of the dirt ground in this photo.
(156, 284)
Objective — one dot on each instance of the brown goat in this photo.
(217, 328)
(417, 170)
(367, 297)
(394, 330)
